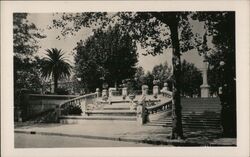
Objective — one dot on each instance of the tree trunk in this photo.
(177, 132)
(55, 83)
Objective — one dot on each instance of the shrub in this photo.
(72, 110)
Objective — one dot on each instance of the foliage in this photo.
(26, 67)
(62, 91)
(25, 76)
(55, 65)
(150, 29)
(162, 72)
(221, 25)
(25, 35)
(108, 56)
(191, 79)
(72, 110)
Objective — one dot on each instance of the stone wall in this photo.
(38, 103)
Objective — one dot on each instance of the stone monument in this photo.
(204, 87)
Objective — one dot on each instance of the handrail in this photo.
(162, 106)
(80, 102)
(77, 98)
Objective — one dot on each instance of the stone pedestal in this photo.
(141, 115)
(104, 94)
(155, 91)
(124, 91)
(98, 94)
(205, 91)
(144, 89)
(111, 90)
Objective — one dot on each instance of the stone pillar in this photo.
(98, 94)
(124, 92)
(204, 87)
(111, 91)
(104, 94)
(144, 89)
(155, 91)
(83, 106)
(141, 115)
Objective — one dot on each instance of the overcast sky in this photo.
(68, 44)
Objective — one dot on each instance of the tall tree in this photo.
(152, 30)
(221, 26)
(55, 65)
(25, 39)
(108, 56)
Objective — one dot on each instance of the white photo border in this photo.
(241, 9)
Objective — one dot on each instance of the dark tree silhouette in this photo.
(221, 26)
(55, 65)
(25, 38)
(191, 79)
(108, 56)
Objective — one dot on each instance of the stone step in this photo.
(190, 122)
(129, 118)
(208, 114)
(111, 113)
(201, 107)
(200, 117)
(116, 108)
(187, 125)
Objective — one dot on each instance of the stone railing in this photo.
(159, 107)
(153, 107)
(82, 103)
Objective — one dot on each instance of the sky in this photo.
(42, 20)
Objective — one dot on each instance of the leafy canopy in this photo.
(107, 56)
(55, 65)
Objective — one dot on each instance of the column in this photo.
(204, 87)
(144, 89)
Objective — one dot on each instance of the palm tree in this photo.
(55, 64)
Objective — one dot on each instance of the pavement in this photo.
(127, 131)
(54, 141)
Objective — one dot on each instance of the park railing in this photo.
(152, 109)
(77, 106)
(165, 105)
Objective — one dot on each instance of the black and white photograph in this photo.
(125, 79)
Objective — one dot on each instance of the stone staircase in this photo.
(197, 114)
(116, 111)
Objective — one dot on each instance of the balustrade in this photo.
(83, 102)
(144, 107)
